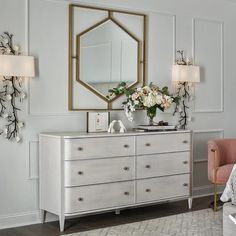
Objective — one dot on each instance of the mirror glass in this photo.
(108, 55)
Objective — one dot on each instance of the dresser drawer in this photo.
(163, 188)
(163, 164)
(95, 171)
(98, 147)
(150, 144)
(100, 196)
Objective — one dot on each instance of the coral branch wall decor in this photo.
(11, 93)
(184, 74)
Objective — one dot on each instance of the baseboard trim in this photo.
(34, 217)
(23, 219)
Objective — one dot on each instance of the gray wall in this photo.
(204, 29)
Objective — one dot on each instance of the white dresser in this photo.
(83, 173)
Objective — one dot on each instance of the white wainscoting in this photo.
(208, 52)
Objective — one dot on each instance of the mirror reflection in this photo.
(108, 55)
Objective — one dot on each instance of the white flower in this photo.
(18, 138)
(149, 101)
(16, 48)
(22, 95)
(8, 50)
(5, 131)
(159, 99)
(8, 97)
(5, 115)
(128, 114)
(21, 124)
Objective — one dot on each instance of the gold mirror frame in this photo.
(141, 47)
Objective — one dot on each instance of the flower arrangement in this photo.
(147, 97)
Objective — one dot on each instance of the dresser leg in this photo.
(190, 202)
(62, 223)
(43, 216)
(117, 212)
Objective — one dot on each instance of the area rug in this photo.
(197, 223)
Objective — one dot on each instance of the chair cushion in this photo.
(223, 173)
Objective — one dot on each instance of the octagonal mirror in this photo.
(106, 47)
(108, 55)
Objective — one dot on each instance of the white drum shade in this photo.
(182, 73)
(11, 65)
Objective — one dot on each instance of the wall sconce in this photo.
(12, 68)
(184, 74)
(11, 65)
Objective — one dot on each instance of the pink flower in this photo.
(166, 101)
(135, 96)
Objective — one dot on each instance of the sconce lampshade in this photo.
(184, 73)
(11, 65)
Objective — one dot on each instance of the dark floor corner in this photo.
(108, 219)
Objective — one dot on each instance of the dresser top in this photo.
(72, 135)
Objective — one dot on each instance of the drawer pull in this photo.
(126, 193)
(148, 144)
(126, 146)
(126, 168)
(80, 173)
(185, 141)
(148, 190)
(185, 162)
(80, 199)
(185, 184)
(148, 166)
(80, 149)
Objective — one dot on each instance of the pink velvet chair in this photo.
(221, 158)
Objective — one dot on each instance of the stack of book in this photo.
(156, 128)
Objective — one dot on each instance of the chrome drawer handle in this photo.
(148, 166)
(185, 162)
(185, 141)
(80, 173)
(148, 190)
(185, 184)
(80, 199)
(126, 146)
(148, 144)
(126, 193)
(80, 149)
(126, 168)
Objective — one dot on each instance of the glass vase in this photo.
(151, 113)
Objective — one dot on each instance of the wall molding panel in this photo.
(200, 158)
(33, 160)
(210, 25)
(205, 191)
(219, 132)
